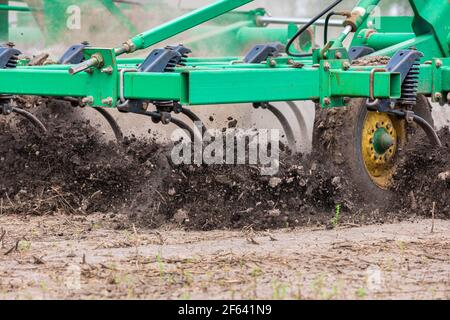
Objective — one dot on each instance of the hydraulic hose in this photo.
(305, 27)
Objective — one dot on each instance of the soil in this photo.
(75, 170)
(84, 217)
(86, 257)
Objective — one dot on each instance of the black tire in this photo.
(337, 140)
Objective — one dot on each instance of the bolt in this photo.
(338, 55)
(107, 70)
(346, 65)
(326, 101)
(294, 64)
(273, 63)
(438, 63)
(108, 101)
(438, 96)
(88, 100)
(392, 105)
(326, 66)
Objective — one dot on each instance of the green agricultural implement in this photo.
(373, 92)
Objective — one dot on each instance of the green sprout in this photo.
(337, 216)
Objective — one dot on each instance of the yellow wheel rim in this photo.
(382, 138)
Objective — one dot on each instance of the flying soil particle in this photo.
(74, 170)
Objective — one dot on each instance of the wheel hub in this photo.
(381, 137)
(382, 141)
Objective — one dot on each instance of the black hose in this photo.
(305, 27)
(325, 30)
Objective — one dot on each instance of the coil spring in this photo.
(183, 60)
(167, 105)
(170, 105)
(12, 63)
(411, 85)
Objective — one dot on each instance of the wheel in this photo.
(365, 146)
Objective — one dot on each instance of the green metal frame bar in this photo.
(246, 82)
(326, 78)
(283, 84)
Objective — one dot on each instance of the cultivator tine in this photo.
(112, 122)
(33, 119)
(157, 117)
(191, 115)
(288, 131)
(300, 119)
(184, 126)
(286, 126)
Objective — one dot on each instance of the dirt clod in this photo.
(74, 170)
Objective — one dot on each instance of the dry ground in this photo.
(103, 256)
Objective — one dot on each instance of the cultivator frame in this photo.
(103, 79)
(327, 76)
